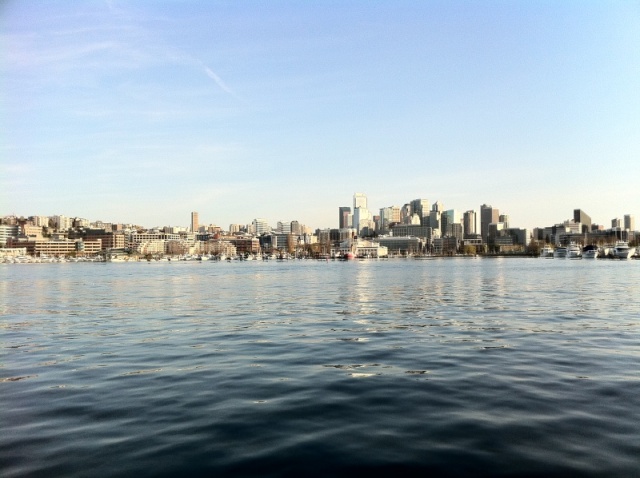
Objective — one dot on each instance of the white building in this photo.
(259, 226)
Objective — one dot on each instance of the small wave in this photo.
(15, 379)
(140, 372)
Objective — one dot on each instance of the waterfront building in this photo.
(488, 215)
(219, 247)
(245, 244)
(108, 239)
(404, 245)
(504, 219)
(55, 247)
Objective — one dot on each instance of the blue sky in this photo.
(144, 111)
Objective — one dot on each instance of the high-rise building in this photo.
(629, 222)
(421, 208)
(449, 218)
(583, 218)
(260, 226)
(359, 200)
(488, 215)
(194, 222)
(405, 214)
(504, 219)
(343, 217)
(469, 222)
(362, 218)
(616, 223)
(284, 227)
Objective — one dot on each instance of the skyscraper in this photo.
(260, 226)
(583, 218)
(469, 222)
(488, 215)
(629, 222)
(343, 217)
(359, 200)
(421, 208)
(194, 222)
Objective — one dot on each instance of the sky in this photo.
(143, 111)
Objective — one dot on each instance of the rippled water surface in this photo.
(478, 367)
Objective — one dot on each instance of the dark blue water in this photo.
(460, 367)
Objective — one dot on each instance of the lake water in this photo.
(460, 367)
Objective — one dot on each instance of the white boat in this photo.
(590, 253)
(546, 252)
(560, 253)
(574, 251)
(622, 250)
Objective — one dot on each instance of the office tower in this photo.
(629, 222)
(284, 227)
(343, 217)
(359, 201)
(582, 217)
(616, 223)
(421, 208)
(504, 219)
(449, 218)
(469, 222)
(194, 222)
(405, 214)
(361, 218)
(260, 226)
(488, 215)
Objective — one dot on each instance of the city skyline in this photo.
(140, 113)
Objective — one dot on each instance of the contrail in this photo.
(218, 80)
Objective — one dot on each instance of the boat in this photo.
(546, 252)
(560, 253)
(622, 250)
(574, 251)
(590, 252)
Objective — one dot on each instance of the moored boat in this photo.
(546, 252)
(574, 251)
(590, 252)
(560, 252)
(622, 250)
